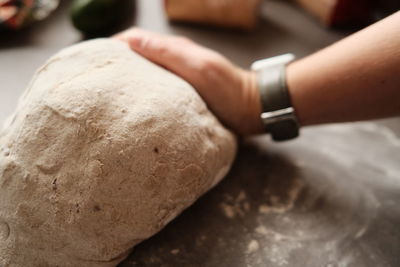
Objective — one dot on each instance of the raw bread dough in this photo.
(104, 150)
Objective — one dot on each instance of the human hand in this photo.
(229, 91)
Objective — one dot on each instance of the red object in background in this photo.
(14, 13)
(335, 13)
(7, 12)
(348, 12)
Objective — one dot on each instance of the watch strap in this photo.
(277, 112)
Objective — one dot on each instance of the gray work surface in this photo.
(329, 198)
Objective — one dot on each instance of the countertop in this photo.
(329, 198)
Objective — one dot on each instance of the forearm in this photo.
(357, 78)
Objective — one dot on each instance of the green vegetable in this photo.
(95, 16)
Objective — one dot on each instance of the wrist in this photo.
(278, 114)
(252, 104)
(297, 92)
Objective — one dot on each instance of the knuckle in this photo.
(162, 49)
(208, 66)
(155, 45)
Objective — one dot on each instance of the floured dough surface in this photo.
(105, 148)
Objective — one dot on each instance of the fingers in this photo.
(146, 43)
(170, 52)
(228, 90)
(178, 54)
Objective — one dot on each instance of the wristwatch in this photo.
(278, 115)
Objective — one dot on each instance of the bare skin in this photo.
(357, 78)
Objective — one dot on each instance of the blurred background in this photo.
(329, 198)
(243, 30)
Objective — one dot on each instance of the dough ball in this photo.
(105, 149)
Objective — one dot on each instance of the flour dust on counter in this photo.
(303, 203)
